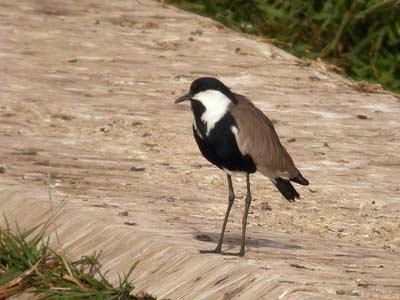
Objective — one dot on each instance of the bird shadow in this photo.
(235, 239)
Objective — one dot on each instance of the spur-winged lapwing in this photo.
(236, 136)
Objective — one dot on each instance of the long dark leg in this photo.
(245, 213)
(231, 199)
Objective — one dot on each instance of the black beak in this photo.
(187, 96)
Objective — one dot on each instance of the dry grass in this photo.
(28, 264)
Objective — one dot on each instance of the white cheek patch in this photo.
(216, 104)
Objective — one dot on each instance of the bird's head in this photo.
(207, 89)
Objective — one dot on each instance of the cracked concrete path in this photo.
(86, 108)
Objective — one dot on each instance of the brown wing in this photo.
(257, 137)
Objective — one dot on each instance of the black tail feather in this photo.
(300, 179)
(286, 189)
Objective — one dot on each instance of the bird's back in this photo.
(257, 138)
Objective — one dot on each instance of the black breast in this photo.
(220, 147)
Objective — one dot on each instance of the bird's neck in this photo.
(207, 112)
(198, 110)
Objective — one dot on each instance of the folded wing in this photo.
(256, 136)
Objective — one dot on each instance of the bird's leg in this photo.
(231, 199)
(245, 213)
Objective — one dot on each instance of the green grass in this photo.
(28, 264)
(362, 37)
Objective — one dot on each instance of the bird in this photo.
(237, 137)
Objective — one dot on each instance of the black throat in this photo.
(198, 109)
(219, 146)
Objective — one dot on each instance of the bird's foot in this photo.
(219, 251)
(216, 250)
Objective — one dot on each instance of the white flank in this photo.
(216, 104)
(229, 172)
(234, 130)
